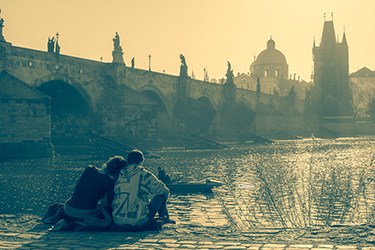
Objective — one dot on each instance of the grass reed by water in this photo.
(303, 184)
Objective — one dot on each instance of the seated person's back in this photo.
(90, 188)
(133, 190)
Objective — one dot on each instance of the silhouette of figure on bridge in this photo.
(116, 41)
(51, 44)
(117, 53)
(183, 67)
(133, 63)
(183, 62)
(57, 47)
(258, 84)
(229, 73)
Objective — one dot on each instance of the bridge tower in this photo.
(331, 73)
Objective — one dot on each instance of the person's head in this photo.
(135, 157)
(114, 165)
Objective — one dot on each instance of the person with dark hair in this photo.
(163, 176)
(139, 195)
(93, 185)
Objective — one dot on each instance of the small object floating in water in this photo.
(194, 186)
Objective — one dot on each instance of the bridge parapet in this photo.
(91, 78)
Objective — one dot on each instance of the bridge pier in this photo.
(25, 116)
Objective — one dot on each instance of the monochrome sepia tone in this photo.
(260, 159)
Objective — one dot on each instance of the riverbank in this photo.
(25, 231)
(259, 207)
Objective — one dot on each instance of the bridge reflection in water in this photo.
(285, 184)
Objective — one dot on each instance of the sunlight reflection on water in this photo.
(197, 209)
(303, 183)
(288, 183)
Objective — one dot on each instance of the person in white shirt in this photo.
(139, 195)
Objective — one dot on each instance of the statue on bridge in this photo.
(57, 48)
(117, 53)
(183, 62)
(51, 44)
(229, 74)
(116, 41)
(2, 39)
(183, 67)
(229, 89)
(133, 62)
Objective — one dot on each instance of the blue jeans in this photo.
(158, 204)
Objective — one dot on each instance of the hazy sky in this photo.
(207, 32)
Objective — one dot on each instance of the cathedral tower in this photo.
(331, 73)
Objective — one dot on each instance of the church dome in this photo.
(270, 63)
(270, 55)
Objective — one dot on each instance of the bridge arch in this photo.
(196, 114)
(245, 102)
(157, 95)
(245, 117)
(153, 89)
(206, 98)
(72, 111)
(70, 81)
(164, 112)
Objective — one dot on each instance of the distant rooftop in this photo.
(363, 72)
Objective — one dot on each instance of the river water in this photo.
(294, 183)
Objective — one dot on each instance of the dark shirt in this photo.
(91, 187)
(164, 177)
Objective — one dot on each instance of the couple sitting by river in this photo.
(124, 190)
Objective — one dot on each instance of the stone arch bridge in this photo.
(131, 104)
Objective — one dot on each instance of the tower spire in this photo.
(344, 38)
(328, 36)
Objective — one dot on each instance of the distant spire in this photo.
(324, 17)
(314, 42)
(332, 16)
(328, 36)
(344, 39)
